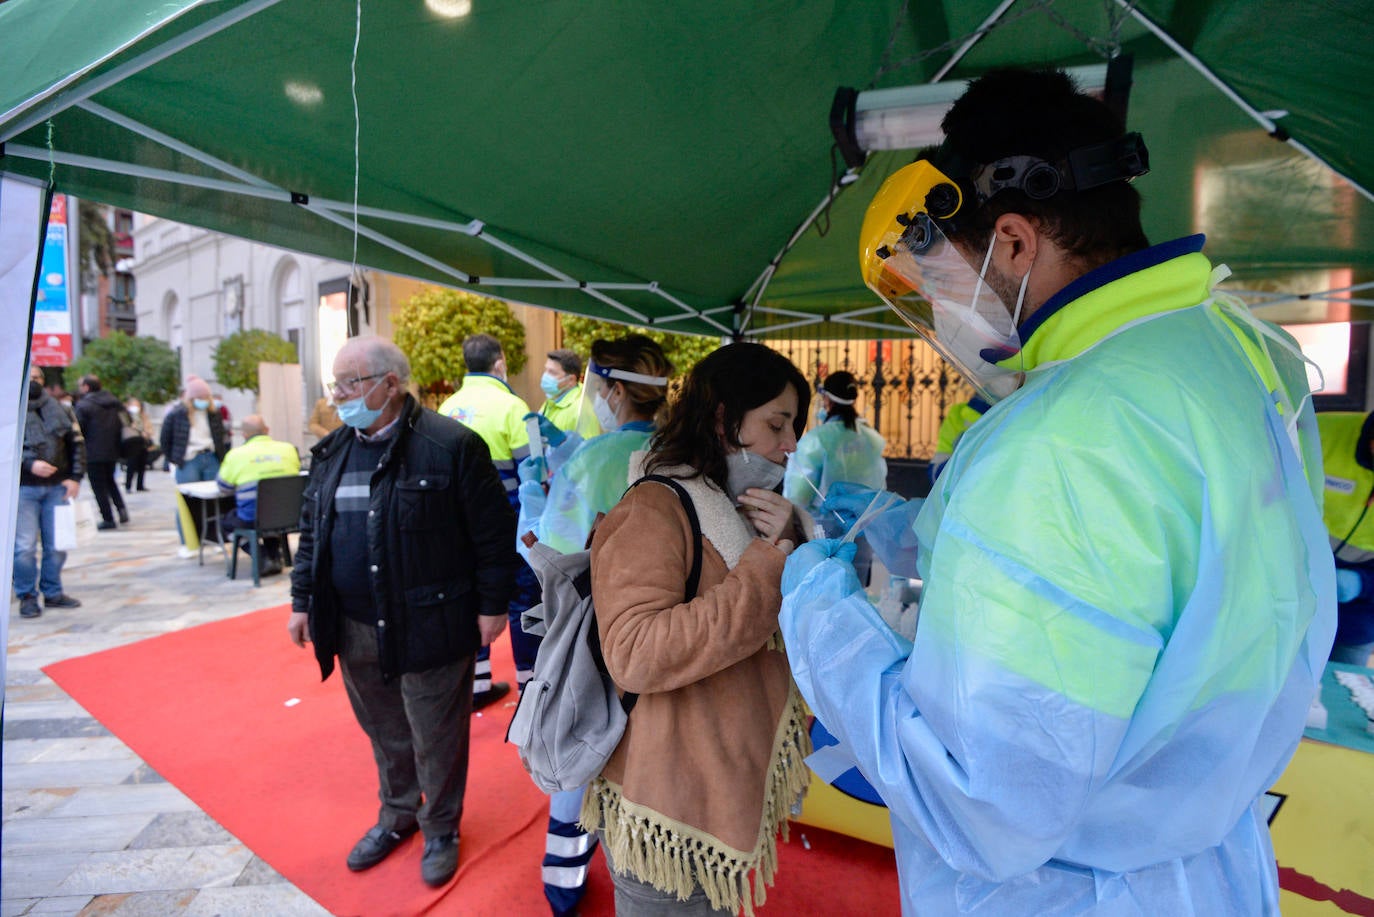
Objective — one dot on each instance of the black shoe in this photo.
(61, 601)
(124, 516)
(440, 860)
(486, 698)
(28, 607)
(143, 490)
(269, 568)
(105, 525)
(376, 845)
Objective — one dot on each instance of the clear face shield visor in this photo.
(594, 418)
(910, 263)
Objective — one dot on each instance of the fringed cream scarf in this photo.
(675, 857)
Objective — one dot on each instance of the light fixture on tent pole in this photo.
(908, 117)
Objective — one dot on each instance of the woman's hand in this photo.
(770, 514)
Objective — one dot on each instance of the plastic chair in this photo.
(279, 513)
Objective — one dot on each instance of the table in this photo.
(204, 504)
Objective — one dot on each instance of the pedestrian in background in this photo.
(102, 424)
(136, 453)
(194, 440)
(51, 463)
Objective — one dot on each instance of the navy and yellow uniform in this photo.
(1348, 465)
(487, 405)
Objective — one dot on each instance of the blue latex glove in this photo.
(847, 501)
(552, 435)
(810, 555)
(532, 470)
(1349, 585)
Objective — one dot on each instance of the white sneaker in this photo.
(184, 551)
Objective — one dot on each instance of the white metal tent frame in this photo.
(64, 95)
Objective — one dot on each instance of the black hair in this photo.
(480, 352)
(569, 360)
(636, 353)
(843, 385)
(92, 382)
(1041, 113)
(733, 381)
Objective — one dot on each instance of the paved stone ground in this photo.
(89, 829)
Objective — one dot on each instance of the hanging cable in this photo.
(357, 134)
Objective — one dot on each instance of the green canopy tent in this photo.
(669, 165)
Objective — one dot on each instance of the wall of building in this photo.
(196, 286)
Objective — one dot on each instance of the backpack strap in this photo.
(628, 700)
(694, 577)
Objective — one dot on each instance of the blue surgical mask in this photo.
(821, 415)
(355, 412)
(200, 404)
(548, 385)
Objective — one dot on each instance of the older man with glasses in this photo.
(403, 571)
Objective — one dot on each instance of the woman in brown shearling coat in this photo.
(690, 804)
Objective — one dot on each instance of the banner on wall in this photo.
(52, 310)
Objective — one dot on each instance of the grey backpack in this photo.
(570, 717)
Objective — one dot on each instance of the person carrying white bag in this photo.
(51, 464)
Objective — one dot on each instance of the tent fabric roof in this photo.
(651, 164)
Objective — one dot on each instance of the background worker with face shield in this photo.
(841, 447)
(628, 384)
(1128, 593)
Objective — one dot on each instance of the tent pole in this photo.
(1269, 126)
(972, 40)
(143, 130)
(65, 100)
(76, 160)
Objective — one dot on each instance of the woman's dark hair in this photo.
(636, 353)
(734, 380)
(842, 385)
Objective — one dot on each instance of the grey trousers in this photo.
(634, 898)
(418, 725)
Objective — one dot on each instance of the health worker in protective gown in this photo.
(627, 386)
(1128, 592)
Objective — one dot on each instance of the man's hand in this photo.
(72, 488)
(298, 626)
(490, 627)
(41, 469)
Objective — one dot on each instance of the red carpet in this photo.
(207, 708)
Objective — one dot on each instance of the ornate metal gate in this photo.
(905, 389)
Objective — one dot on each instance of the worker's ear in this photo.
(1018, 242)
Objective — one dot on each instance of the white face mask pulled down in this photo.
(749, 469)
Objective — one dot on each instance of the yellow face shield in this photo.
(909, 262)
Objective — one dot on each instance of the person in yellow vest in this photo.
(486, 404)
(956, 423)
(259, 457)
(562, 387)
(1348, 463)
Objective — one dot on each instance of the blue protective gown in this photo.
(832, 452)
(1128, 601)
(589, 484)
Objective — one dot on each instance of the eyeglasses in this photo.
(349, 386)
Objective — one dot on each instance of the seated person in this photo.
(259, 457)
